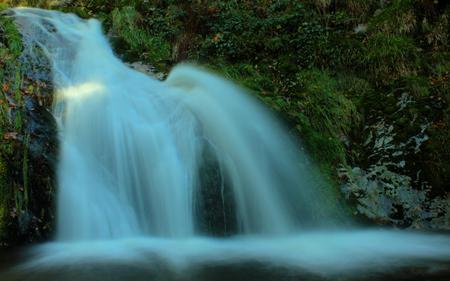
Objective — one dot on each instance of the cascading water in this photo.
(131, 146)
(130, 167)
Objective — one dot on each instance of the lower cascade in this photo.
(150, 168)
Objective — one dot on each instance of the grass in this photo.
(139, 44)
(390, 57)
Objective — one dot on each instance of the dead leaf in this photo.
(10, 136)
(5, 87)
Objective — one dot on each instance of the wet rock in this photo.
(147, 69)
(29, 146)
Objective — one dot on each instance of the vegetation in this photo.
(364, 84)
(27, 147)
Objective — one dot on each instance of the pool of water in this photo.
(356, 255)
(245, 271)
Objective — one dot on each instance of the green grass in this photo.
(140, 45)
(390, 57)
(397, 18)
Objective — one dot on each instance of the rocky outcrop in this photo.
(28, 148)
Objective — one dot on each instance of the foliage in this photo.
(390, 57)
(384, 193)
(387, 197)
(393, 188)
(26, 129)
(397, 18)
(324, 115)
(139, 43)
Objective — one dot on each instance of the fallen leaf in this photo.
(10, 136)
(5, 87)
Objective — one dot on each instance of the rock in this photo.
(29, 145)
(146, 69)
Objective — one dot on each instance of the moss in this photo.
(11, 71)
(8, 54)
(12, 37)
(355, 88)
(323, 116)
(25, 173)
(324, 104)
(322, 112)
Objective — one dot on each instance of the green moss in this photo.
(327, 108)
(12, 36)
(9, 53)
(322, 112)
(11, 121)
(355, 88)
(323, 116)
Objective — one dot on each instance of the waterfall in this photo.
(131, 171)
(132, 146)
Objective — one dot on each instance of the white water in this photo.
(131, 152)
(131, 146)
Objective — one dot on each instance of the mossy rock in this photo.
(28, 149)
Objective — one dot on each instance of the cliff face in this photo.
(28, 146)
